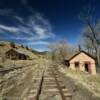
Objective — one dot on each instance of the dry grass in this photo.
(91, 82)
(10, 81)
(17, 63)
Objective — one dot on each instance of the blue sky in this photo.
(38, 23)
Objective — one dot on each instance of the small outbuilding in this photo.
(15, 54)
(82, 61)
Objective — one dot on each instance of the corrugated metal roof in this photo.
(19, 51)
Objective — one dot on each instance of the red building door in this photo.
(88, 67)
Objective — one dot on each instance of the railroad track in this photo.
(48, 83)
(35, 69)
(35, 89)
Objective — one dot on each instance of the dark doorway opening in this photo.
(86, 67)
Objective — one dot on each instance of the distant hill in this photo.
(39, 53)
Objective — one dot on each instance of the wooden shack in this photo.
(15, 54)
(82, 61)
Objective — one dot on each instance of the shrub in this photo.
(27, 48)
(12, 44)
(22, 46)
(2, 44)
(1, 66)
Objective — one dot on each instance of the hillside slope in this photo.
(5, 46)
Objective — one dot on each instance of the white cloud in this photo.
(20, 19)
(9, 28)
(34, 29)
(39, 30)
(41, 26)
(38, 43)
(41, 19)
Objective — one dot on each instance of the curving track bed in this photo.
(40, 82)
(47, 84)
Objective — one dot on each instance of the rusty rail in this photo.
(40, 86)
(58, 85)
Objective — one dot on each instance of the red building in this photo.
(82, 61)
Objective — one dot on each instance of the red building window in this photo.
(77, 64)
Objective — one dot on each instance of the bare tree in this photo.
(60, 50)
(91, 33)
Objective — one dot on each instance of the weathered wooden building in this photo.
(82, 61)
(16, 54)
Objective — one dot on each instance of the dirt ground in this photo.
(79, 92)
